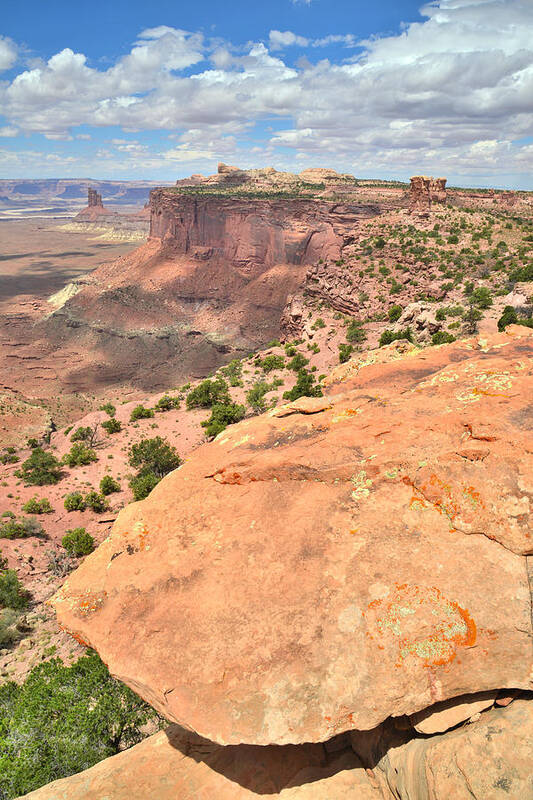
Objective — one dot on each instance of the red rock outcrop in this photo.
(94, 199)
(95, 208)
(253, 234)
(336, 561)
(425, 192)
(177, 765)
(489, 758)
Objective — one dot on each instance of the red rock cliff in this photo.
(251, 233)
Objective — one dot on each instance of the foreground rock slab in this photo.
(176, 765)
(488, 760)
(359, 558)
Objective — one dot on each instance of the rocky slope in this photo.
(211, 282)
(403, 583)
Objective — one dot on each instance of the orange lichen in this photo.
(91, 602)
(420, 622)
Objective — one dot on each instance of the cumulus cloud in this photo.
(453, 91)
(8, 53)
(280, 39)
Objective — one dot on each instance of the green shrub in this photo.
(522, 274)
(140, 412)
(345, 352)
(143, 483)
(109, 409)
(79, 455)
(255, 397)
(304, 387)
(355, 332)
(442, 337)
(74, 502)
(77, 542)
(12, 593)
(318, 323)
(233, 370)
(9, 456)
(471, 319)
(272, 362)
(32, 443)
(394, 313)
(62, 720)
(40, 469)
(154, 459)
(208, 393)
(440, 315)
(222, 415)
(109, 485)
(20, 528)
(96, 502)
(510, 317)
(388, 336)
(111, 426)
(36, 506)
(298, 362)
(482, 298)
(85, 434)
(154, 455)
(167, 403)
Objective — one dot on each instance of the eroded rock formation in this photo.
(95, 208)
(254, 234)
(426, 192)
(94, 199)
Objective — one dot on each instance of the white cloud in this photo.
(454, 91)
(8, 131)
(8, 53)
(280, 39)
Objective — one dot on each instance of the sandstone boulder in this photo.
(487, 760)
(309, 574)
(443, 716)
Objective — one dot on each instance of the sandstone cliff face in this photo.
(211, 283)
(253, 234)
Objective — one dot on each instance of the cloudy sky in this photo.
(131, 89)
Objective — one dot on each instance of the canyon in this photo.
(331, 597)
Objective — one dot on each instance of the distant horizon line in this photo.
(156, 183)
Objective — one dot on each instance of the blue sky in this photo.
(158, 91)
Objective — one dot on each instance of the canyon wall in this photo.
(251, 234)
(209, 285)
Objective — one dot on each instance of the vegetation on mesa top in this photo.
(303, 191)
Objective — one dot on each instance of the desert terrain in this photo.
(309, 347)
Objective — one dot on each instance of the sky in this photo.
(124, 89)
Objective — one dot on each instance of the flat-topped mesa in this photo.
(425, 192)
(254, 230)
(313, 181)
(94, 199)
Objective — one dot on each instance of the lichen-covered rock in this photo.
(316, 572)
